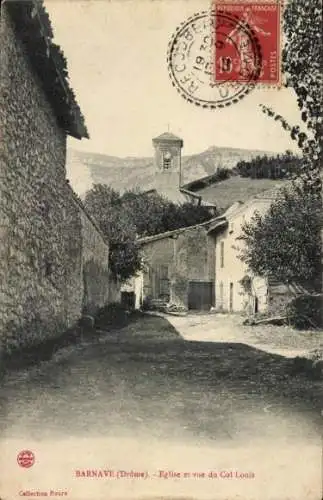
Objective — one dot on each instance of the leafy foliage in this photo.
(278, 167)
(305, 311)
(104, 204)
(221, 174)
(246, 283)
(122, 218)
(302, 58)
(282, 166)
(284, 243)
(154, 214)
(302, 64)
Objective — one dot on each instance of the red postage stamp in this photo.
(247, 41)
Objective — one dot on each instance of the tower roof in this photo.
(168, 136)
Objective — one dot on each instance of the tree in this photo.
(124, 218)
(146, 211)
(302, 58)
(105, 205)
(302, 65)
(284, 243)
(151, 213)
(278, 167)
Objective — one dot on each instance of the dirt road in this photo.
(144, 398)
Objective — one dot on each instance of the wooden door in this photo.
(200, 295)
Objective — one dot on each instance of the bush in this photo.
(305, 311)
(312, 367)
(279, 167)
(222, 174)
(196, 185)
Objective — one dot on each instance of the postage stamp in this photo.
(217, 57)
(233, 50)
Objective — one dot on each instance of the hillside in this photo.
(130, 172)
(236, 188)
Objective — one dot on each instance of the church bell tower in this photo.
(167, 160)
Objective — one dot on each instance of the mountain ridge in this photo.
(123, 173)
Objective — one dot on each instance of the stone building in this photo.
(54, 259)
(179, 267)
(236, 289)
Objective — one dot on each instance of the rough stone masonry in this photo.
(53, 258)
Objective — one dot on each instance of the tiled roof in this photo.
(168, 136)
(218, 223)
(33, 27)
(269, 196)
(175, 232)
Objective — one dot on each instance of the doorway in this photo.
(200, 295)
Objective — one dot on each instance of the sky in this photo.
(116, 52)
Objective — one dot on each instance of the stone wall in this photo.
(95, 265)
(46, 241)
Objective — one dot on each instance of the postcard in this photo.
(161, 277)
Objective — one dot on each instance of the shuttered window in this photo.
(222, 254)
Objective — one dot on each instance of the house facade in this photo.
(179, 268)
(53, 258)
(236, 289)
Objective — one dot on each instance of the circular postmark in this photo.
(26, 459)
(214, 59)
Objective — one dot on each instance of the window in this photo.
(167, 160)
(222, 254)
(166, 163)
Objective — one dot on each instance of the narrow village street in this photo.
(160, 243)
(145, 389)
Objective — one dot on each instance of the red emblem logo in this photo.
(26, 458)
